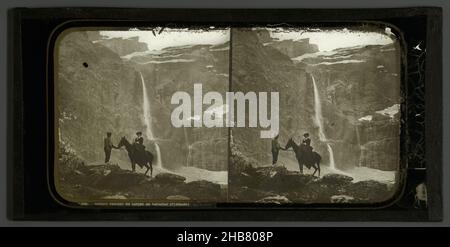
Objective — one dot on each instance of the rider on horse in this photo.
(307, 142)
(304, 154)
(276, 149)
(306, 146)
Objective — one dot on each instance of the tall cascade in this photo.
(148, 122)
(318, 119)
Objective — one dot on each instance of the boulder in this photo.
(277, 199)
(168, 178)
(266, 183)
(369, 191)
(336, 179)
(246, 194)
(290, 181)
(203, 184)
(116, 180)
(241, 179)
(341, 199)
(271, 171)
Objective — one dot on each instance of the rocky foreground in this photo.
(276, 184)
(80, 182)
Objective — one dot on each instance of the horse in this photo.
(305, 157)
(133, 154)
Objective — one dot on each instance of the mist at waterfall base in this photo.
(190, 173)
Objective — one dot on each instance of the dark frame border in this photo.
(74, 26)
(48, 19)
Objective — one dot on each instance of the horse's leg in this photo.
(315, 170)
(133, 166)
(151, 169)
(301, 167)
(318, 167)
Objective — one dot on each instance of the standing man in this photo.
(275, 149)
(107, 147)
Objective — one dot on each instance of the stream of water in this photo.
(148, 122)
(319, 122)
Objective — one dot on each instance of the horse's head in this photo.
(290, 143)
(123, 141)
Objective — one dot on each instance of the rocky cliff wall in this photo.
(96, 92)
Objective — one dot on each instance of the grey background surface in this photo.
(7, 4)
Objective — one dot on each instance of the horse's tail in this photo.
(150, 156)
(318, 157)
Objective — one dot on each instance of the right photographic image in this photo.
(319, 115)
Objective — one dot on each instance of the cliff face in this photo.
(294, 48)
(358, 87)
(178, 69)
(290, 48)
(261, 68)
(97, 92)
(100, 90)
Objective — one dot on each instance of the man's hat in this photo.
(306, 134)
(139, 133)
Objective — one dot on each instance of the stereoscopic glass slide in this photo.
(153, 116)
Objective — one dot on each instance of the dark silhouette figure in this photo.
(144, 160)
(108, 146)
(139, 139)
(275, 149)
(306, 145)
(139, 144)
(301, 153)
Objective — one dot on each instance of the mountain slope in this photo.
(97, 92)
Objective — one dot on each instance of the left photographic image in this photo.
(119, 97)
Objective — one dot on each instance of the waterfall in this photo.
(148, 122)
(318, 119)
